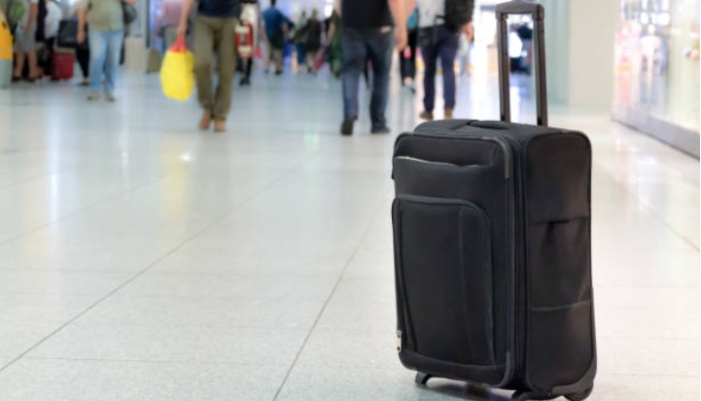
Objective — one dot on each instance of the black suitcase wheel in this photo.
(580, 396)
(526, 395)
(422, 378)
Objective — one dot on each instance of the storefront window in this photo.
(657, 60)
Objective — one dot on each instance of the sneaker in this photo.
(347, 126)
(426, 115)
(379, 129)
(448, 113)
(110, 97)
(206, 120)
(219, 126)
(93, 96)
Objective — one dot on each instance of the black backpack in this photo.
(458, 13)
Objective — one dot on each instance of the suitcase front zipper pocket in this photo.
(444, 278)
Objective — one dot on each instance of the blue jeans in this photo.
(359, 46)
(105, 49)
(301, 54)
(439, 42)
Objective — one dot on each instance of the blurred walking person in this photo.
(82, 50)
(300, 38)
(407, 56)
(277, 25)
(370, 30)
(439, 38)
(313, 40)
(25, 41)
(215, 27)
(334, 53)
(54, 15)
(106, 36)
(250, 15)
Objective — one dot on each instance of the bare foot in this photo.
(219, 126)
(206, 120)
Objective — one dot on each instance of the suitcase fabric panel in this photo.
(560, 340)
(446, 272)
(481, 181)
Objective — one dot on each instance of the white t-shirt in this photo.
(429, 10)
(515, 45)
(53, 18)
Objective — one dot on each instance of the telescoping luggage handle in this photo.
(536, 11)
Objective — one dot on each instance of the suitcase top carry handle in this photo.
(503, 10)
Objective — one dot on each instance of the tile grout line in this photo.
(326, 302)
(87, 208)
(158, 260)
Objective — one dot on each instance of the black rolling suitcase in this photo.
(492, 225)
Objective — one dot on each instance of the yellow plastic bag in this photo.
(177, 71)
(5, 41)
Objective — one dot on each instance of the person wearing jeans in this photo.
(370, 28)
(359, 46)
(106, 19)
(215, 28)
(438, 41)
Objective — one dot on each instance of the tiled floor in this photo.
(143, 260)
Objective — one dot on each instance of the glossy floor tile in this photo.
(141, 259)
(127, 381)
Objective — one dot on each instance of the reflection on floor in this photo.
(141, 259)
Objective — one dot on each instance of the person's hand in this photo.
(182, 30)
(469, 31)
(400, 37)
(28, 29)
(81, 36)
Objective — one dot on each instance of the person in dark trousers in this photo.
(250, 14)
(439, 41)
(370, 29)
(312, 40)
(277, 25)
(82, 51)
(407, 56)
(215, 27)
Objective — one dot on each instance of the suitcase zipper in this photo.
(518, 330)
(451, 135)
(415, 159)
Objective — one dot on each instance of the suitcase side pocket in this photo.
(444, 279)
(561, 339)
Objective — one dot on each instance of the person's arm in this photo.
(400, 17)
(33, 12)
(82, 17)
(184, 14)
(409, 7)
(338, 6)
(468, 29)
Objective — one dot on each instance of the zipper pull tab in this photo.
(399, 340)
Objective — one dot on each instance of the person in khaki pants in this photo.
(214, 34)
